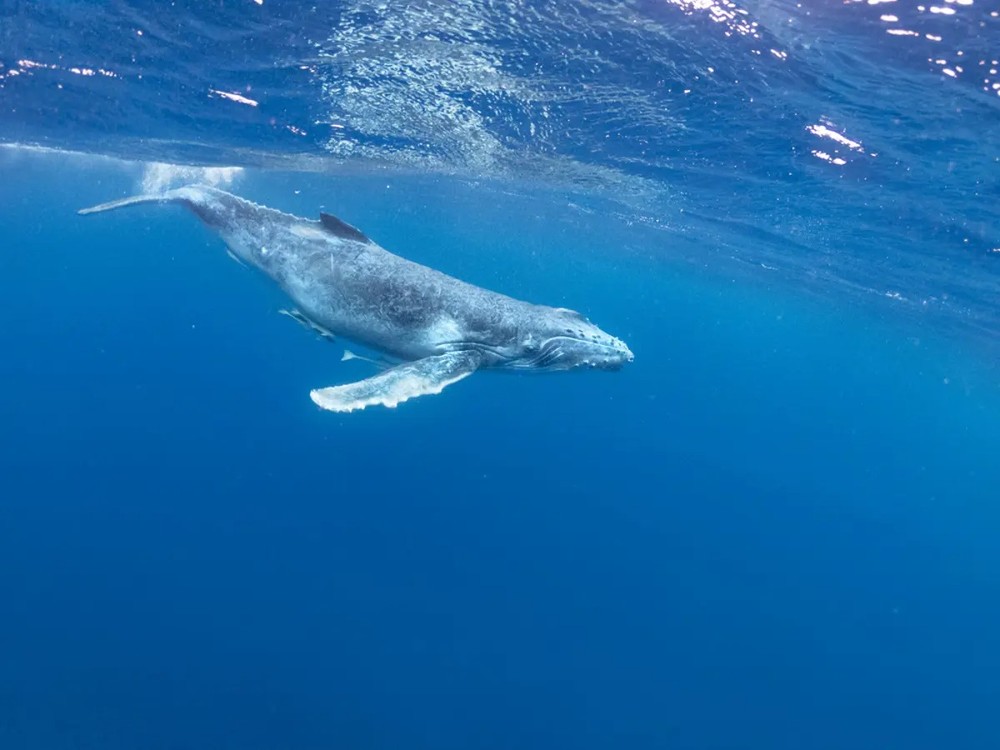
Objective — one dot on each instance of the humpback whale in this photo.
(439, 329)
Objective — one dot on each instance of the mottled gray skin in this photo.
(346, 283)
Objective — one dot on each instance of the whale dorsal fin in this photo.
(341, 228)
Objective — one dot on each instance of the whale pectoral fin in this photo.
(423, 377)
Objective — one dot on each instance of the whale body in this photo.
(440, 329)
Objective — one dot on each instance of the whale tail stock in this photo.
(210, 205)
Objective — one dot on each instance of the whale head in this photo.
(565, 340)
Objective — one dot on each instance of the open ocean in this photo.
(777, 529)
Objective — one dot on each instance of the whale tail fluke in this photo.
(124, 202)
(192, 196)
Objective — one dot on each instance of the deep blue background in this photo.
(776, 529)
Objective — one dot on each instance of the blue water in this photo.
(777, 528)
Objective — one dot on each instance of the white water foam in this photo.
(158, 176)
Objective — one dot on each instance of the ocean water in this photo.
(777, 528)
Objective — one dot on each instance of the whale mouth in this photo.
(555, 354)
(566, 353)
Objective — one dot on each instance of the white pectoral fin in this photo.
(423, 377)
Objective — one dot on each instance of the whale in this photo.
(431, 329)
